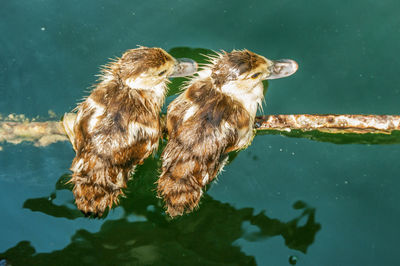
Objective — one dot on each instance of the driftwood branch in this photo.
(358, 124)
(15, 130)
(39, 133)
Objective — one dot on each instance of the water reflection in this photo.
(339, 138)
(145, 235)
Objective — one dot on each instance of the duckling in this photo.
(118, 126)
(212, 117)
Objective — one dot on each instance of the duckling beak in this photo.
(184, 67)
(282, 68)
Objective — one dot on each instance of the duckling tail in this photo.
(184, 176)
(97, 184)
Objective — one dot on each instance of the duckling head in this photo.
(148, 68)
(240, 75)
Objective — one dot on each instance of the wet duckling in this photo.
(212, 117)
(118, 125)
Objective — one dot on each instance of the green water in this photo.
(311, 200)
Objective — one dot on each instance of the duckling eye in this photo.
(254, 76)
(162, 73)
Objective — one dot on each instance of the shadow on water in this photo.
(144, 235)
(197, 54)
(339, 138)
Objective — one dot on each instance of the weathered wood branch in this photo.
(39, 133)
(359, 124)
(15, 130)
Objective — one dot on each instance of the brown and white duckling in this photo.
(212, 117)
(118, 125)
